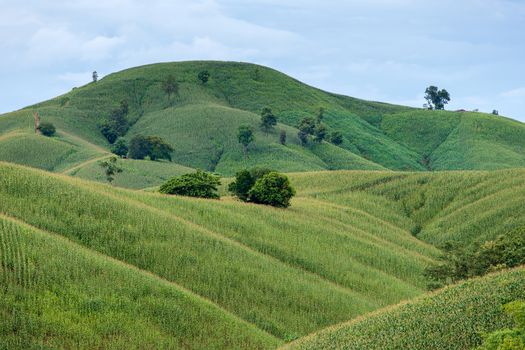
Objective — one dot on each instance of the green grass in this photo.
(345, 247)
(452, 318)
(201, 122)
(57, 294)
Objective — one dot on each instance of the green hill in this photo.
(452, 319)
(201, 122)
(348, 245)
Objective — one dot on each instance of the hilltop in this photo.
(201, 122)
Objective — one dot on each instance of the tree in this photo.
(116, 124)
(153, 147)
(282, 137)
(319, 133)
(436, 99)
(204, 76)
(336, 137)
(47, 129)
(198, 184)
(95, 76)
(306, 127)
(120, 147)
(111, 168)
(272, 189)
(170, 86)
(245, 137)
(495, 112)
(244, 181)
(268, 120)
(508, 339)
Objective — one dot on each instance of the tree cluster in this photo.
(198, 184)
(505, 251)
(262, 186)
(312, 127)
(116, 125)
(153, 147)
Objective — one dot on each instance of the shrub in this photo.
(282, 137)
(244, 181)
(47, 129)
(505, 251)
(204, 76)
(198, 184)
(272, 189)
(120, 148)
(508, 339)
(336, 138)
(153, 147)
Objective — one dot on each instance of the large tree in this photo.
(436, 99)
(153, 147)
(268, 119)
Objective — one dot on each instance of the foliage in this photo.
(336, 137)
(508, 339)
(450, 319)
(198, 184)
(117, 124)
(282, 137)
(320, 132)
(268, 119)
(272, 189)
(153, 147)
(436, 99)
(204, 76)
(47, 129)
(95, 76)
(170, 86)
(111, 168)
(244, 181)
(245, 137)
(120, 147)
(507, 250)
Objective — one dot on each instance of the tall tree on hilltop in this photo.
(436, 99)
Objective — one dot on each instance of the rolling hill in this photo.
(234, 275)
(201, 122)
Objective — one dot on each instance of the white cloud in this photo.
(514, 93)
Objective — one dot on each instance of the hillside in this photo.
(451, 319)
(201, 122)
(347, 246)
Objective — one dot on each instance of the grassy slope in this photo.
(45, 306)
(450, 319)
(201, 122)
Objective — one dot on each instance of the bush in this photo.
(47, 129)
(336, 138)
(120, 148)
(508, 339)
(199, 184)
(505, 251)
(272, 189)
(244, 181)
(153, 147)
(204, 76)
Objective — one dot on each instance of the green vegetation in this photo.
(506, 251)
(199, 184)
(47, 129)
(272, 189)
(201, 122)
(453, 318)
(436, 99)
(244, 181)
(120, 148)
(204, 76)
(111, 168)
(508, 339)
(153, 147)
(268, 120)
(245, 137)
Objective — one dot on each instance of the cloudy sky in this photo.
(386, 50)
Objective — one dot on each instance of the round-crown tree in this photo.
(204, 76)
(268, 119)
(436, 99)
(245, 137)
(47, 129)
(272, 189)
(198, 184)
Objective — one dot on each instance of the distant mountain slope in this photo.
(202, 119)
(451, 319)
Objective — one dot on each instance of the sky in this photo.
(382, 50)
